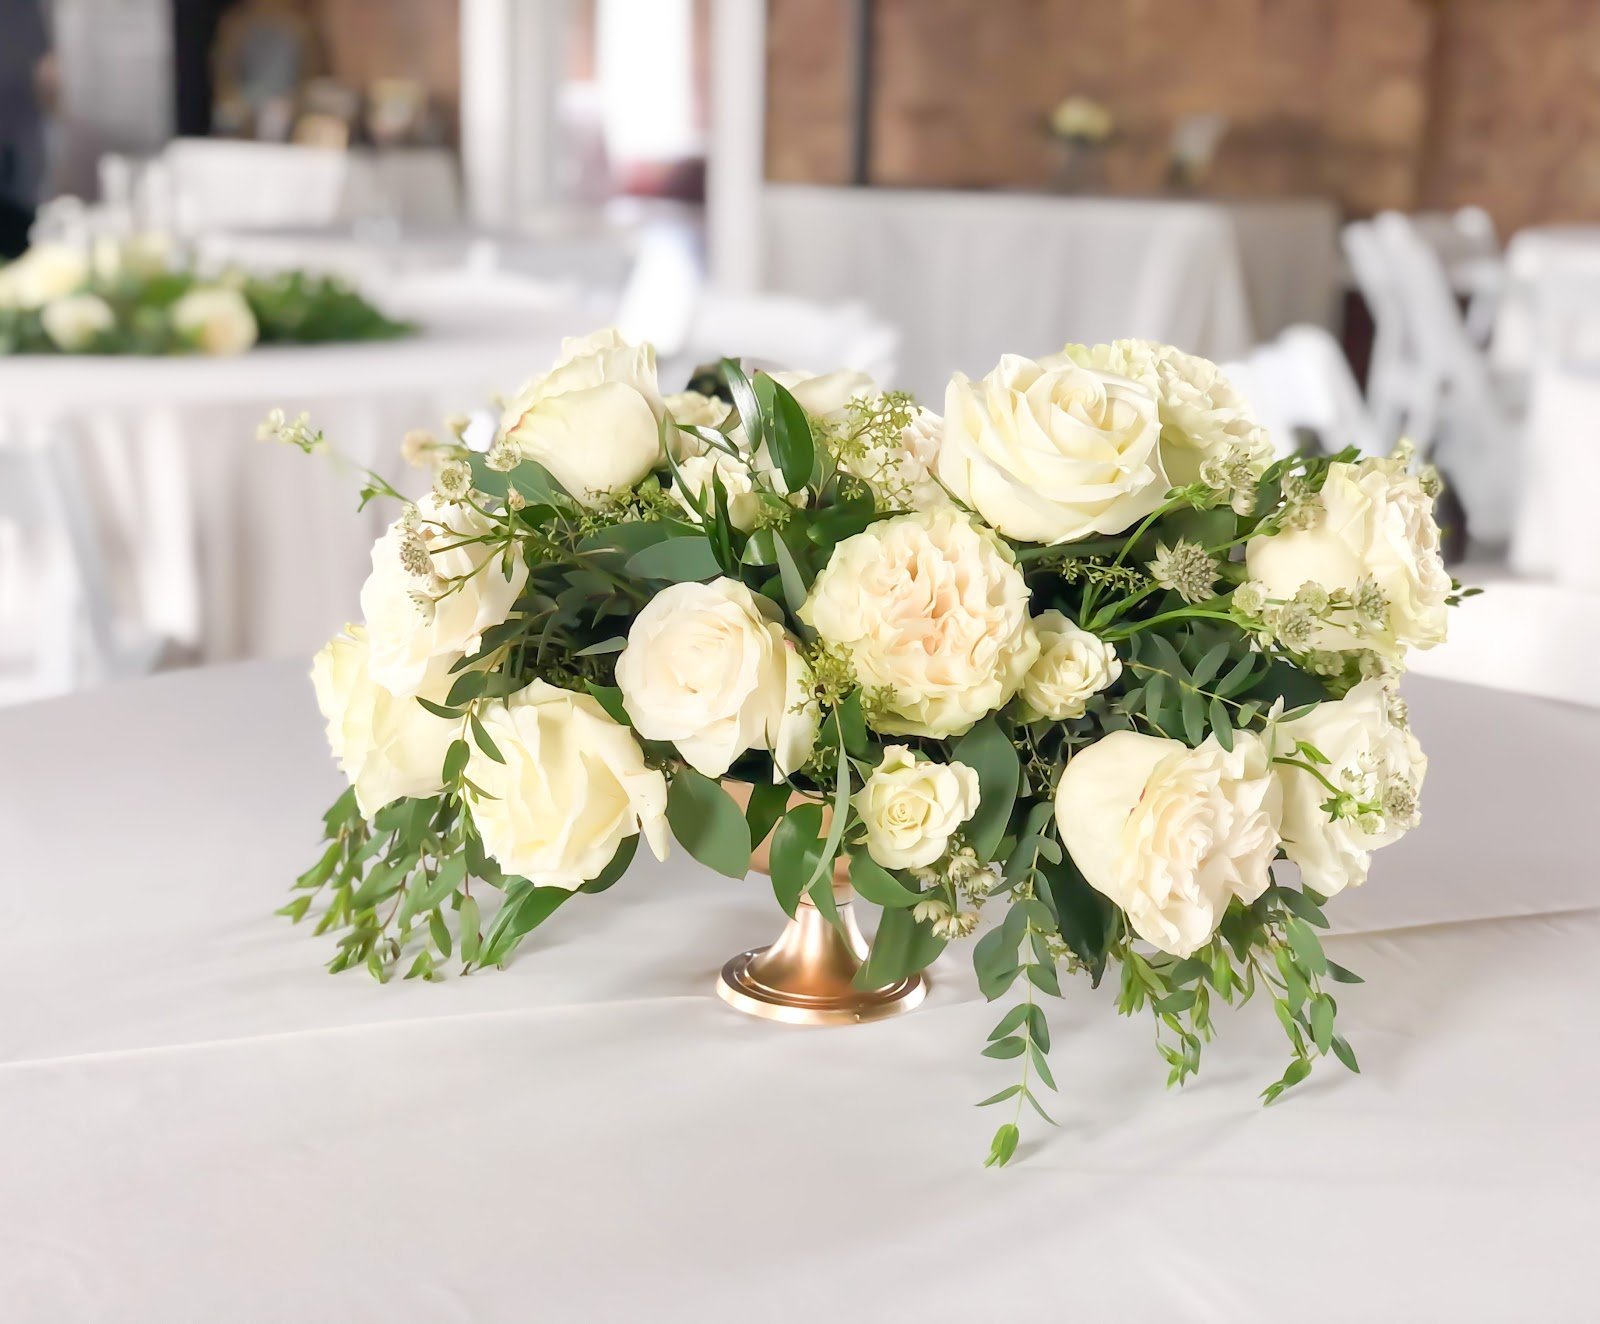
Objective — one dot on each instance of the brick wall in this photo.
(1377, 102)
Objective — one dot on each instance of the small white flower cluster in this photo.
(1187, 569)
(281, 430)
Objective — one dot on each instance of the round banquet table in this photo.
(230, 548)
(199, 1124)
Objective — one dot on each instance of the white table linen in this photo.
(200, 1124)
(967, 276)
(233, 548)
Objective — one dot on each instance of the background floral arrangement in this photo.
(127, 297)
(1079, 653)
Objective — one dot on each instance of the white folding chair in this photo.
(1392, 384)
(221, 184)
(1460, 414)
(1302, 381)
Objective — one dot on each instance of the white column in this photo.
(735, 153)
(512, 55)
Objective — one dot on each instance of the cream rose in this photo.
(1370, 532)
(388, 746)
(1202, 416)
(1373, 758)
(216, 319)
(594, 419)
(1051, 452)
(423, 604)
(1171, 834)
(709, 668)
(933, 609)
(1073, 666)
(692, 409)
(74, 323)
(693, 484)
(911, 807)
(829, 396)
(45, 273)
(574, 786)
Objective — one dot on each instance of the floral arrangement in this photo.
(1076, 666)
(1083, 121)
(127, 297)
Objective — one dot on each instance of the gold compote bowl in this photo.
(807, 977)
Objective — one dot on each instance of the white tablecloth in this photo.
(237, 549)
(969, 276)
(201, 1125)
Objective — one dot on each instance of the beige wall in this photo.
(1379, 102)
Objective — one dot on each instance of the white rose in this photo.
(574, 786)
(45, 273)
(1171, 834)
(911, 808)
(693, 484)
(594, 419)
(693, 409)
(900, 473)
(1049, 453)
(1374, 757)
(422, 604)
(935, 610)
(216, 319)
(388, 746)
(828, 397)
(709, 668)
(1073, 665)
(1202, 416)
(1370, 527)
(74, 323)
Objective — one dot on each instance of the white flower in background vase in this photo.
(593, 420)
(75, 322)
(1370, 532)
(934, 609)
(1171, 834)
(216, 319)
(44, 273)
(1374, 759)
(1202, 416)
(387, 746)
(432, 592)
(911, 807)
(1052, 452)
(710, 668)
(1073, 666)
(572, 788)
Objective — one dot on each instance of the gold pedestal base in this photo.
(805, 977)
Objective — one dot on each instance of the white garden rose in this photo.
(829, 396)
(1374, 758)
(1051, 452)
(388, 746)
(710, 668)
(74, 323)
(572, 788)
(1171, 834)
(45, 273)
(1072, 667)
(692, 409)
(933, 609)
(594, 419)
(1371, 533)
(216, 319)
(1202, 416)
(911, 807)
(693, 484)
(422, 604)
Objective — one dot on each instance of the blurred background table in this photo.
(225, 547)
(968, 276)
(201, 1124)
